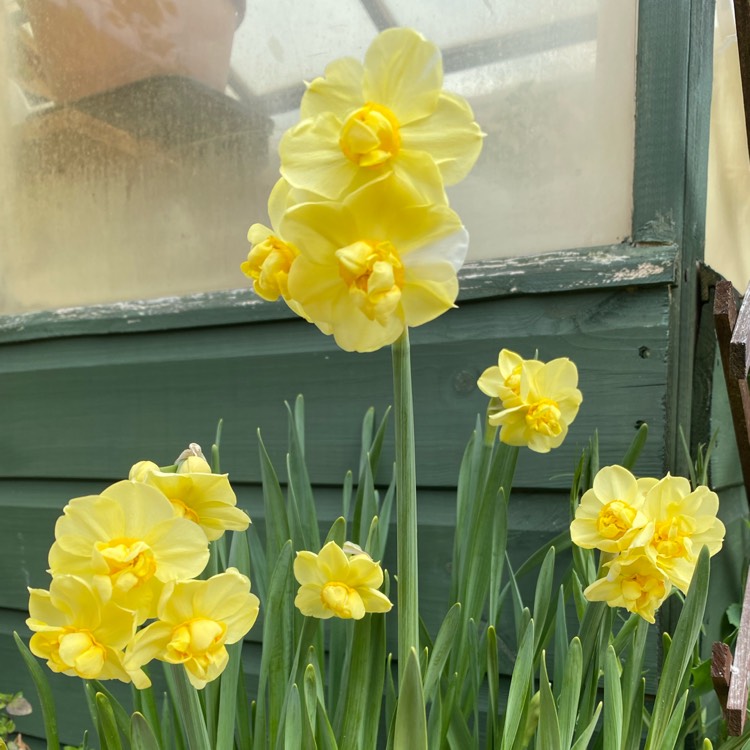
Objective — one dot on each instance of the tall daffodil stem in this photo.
(406, 504)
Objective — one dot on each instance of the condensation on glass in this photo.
(138, 139)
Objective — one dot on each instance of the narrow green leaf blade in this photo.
(441, 650)
(680, 652)
(570, 692)
(107, 722)
(549, 725)
(411, 720)
(46, 701)
(293, 721)
(612, 701)
(141, 735)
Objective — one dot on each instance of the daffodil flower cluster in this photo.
(336, 584)
(127, 556)
(532, 402)
(651, 531)
(362, 240)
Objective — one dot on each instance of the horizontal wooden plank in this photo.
(91, 406)
(588, 268)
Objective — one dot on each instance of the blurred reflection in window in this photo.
(142, 133)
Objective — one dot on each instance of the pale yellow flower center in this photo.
(268, 265)
(671, 538)
(79, 651)
(184, 511)
(374, 274)
(544, 417)
(200, 640)
(335, 596)
(642, 588)
(615, 519)
(370, 136)
(130, 562)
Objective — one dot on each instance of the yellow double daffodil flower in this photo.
(654, 528)
(129, 543)
(375, 263)
(386, 116)
(334, 584)
(196, 621)
(196, 494)
(81, 634)
(533, 402)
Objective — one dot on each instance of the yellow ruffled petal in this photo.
(404, 72)
(375, 601)
(318, 230)
(309, 603)
(149, 643)
(141, 506)
(257, 234)
(491, 382)
(617, 483)
(86, 520)
(44, 612)
(306, 569)
(339, 92)
(311, 158)
(429, 291)
(364, 572)
(333, 563)
(450, 136)
(180, 548)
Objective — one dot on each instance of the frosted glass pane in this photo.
(138, 176)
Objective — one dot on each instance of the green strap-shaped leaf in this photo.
(310, 692)
(385, 515)
(141, 735)
(243, 722)
(543, 596)
(276, 658)
(44, 692)
(632, 682)
(293, 721)
(561, 644)
(120, 714)
(349, 719)
(110, 736)
(444, 642)
(497, 550)
(144, 703)
(375, 682)
(299, 480)
(680, 652)
(411, 720)
(188, 706)
(672, 731)
(493, 680)
(585, 737)
(277, 524)
(239, 553)
(337, 532)
(636, 446)
(228, 698)
(612, 701)
(570, 692)
(519, 687)
(549, 725)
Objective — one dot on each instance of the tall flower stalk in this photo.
(406, 502)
